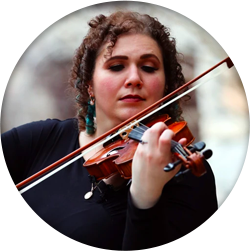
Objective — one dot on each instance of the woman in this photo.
(126, 62)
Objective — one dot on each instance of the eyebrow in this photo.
(116, 57)
(150, 56)
(144, 56)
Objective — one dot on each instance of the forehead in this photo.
(133, 45)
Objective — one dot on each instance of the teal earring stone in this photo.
(90, 128)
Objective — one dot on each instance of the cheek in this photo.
(157, 87)
(106, 87)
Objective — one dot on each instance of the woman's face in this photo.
(129, 80)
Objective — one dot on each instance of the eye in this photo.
(149, 69)
(117, 67)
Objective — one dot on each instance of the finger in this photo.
(183, 141)
(153, 134)
(165, 141)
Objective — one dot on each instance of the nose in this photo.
(133, 79)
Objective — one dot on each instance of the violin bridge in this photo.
(130, 127)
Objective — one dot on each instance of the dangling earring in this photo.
(90, 124)
(92, 100)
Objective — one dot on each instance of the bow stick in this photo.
(93, 144)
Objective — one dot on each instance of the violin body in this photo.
(117, 156)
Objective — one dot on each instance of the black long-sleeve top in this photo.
(109, 219)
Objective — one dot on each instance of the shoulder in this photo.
(41, 130)
(52, 123)
(48, 125)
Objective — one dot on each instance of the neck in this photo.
(104, 121)
(104, 126)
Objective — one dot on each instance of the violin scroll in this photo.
(190, 157)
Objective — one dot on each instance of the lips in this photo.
(132, 98)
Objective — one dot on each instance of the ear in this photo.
(90, 86)
(90, 90)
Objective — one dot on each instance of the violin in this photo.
(118, 155)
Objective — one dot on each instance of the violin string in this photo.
(143, 126)
(141, 129)
(177, 147)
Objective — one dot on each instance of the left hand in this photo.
(148, 177)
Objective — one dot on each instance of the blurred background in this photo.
(217, 112)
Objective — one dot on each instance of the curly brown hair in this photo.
(105, 29)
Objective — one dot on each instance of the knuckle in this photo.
(146, 133)
(153, 130)
(144, 154)
(159, 126)
(165, 141)
(171, 133)
(166, 137)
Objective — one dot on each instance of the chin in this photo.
(128, 113)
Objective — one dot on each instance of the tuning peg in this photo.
(207, 153)
(199, 146)
(171, 166)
